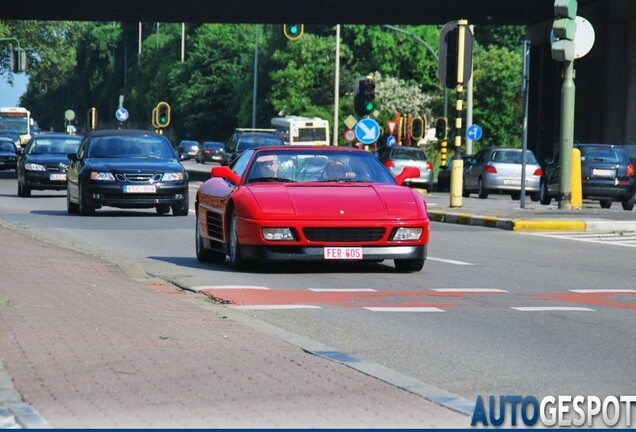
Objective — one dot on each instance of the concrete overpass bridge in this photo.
(605, 78)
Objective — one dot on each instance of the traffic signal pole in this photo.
(567, 137)
(456, 185)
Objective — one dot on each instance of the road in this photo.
(466, 324)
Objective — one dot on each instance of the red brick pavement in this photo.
(87, 346)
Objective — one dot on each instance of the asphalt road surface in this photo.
(493, 312)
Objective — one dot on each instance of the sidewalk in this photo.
(86, 345)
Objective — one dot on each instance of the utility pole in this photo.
(336, 91)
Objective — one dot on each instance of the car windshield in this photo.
(600, 154)
(507, 156)
(7, 146)
(409, 153)
(133, 146)
(54, 145)
(249, 142)
(315, 165)
(213, 146)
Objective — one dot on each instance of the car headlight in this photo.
(34, 167)
(407, 234)
(278, 234)
(102, 176)
(172, 176)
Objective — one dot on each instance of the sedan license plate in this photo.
(57, 176)
(342, 253)
(596, 172)
(140, 189)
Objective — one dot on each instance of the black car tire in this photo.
(481, 189)
(534, 196)
(606, 203)
(83, 208)
(71, 207)
(203, 254)
(544, 198)
(234, 248)
(516, 196)
(628, 203)
(409, 265)
(163, 209)
(23, 190)
(180, 210)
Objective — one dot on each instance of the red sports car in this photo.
(299, 203)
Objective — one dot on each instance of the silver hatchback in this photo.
(395, 158)
(498, 169)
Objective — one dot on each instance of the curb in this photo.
(572, 225)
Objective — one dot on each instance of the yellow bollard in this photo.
(457, 174)
(577, 186)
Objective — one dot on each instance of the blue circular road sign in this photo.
(474, 132)
(391, 141)
(121, 114)
(367, 131)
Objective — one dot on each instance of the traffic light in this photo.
(564, 30)
(441, 128)
(293, 31)
(18, 60)
(163, 114)
(91, 115)
(43, 88)
(365, 96)
(418, 128)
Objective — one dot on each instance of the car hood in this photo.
(7, 153)
(337, 201)
(134, 165)
(47, 158)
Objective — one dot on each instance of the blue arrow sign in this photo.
(474, 132)
(367, 131)
(121, 114)
(391, 141)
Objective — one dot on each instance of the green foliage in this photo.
(211, 92)
(497, 95)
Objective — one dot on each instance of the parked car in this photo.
(444, 173)
(607, 175)
(210, 151)
(43, 164)
(498, 169)
(244, 139)
(126, 169)
(187, 149)
(301, 203)
(14, 135)
(8, 154)
(397, 157)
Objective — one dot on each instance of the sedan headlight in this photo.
(34, 167)
(278, 234)
(407, 234)
(102, 176)
(172, 176)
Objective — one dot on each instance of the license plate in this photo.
(602, 172)
(342, 253)
(57, 176)
(140, 189)
(216, 157)
(512, 181)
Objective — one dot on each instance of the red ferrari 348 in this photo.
(299, 203)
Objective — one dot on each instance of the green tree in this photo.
(210, 85)
(497, 95)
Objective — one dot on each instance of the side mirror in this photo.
(408, 172)
(226, 173)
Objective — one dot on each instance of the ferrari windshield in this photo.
(315, 165)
